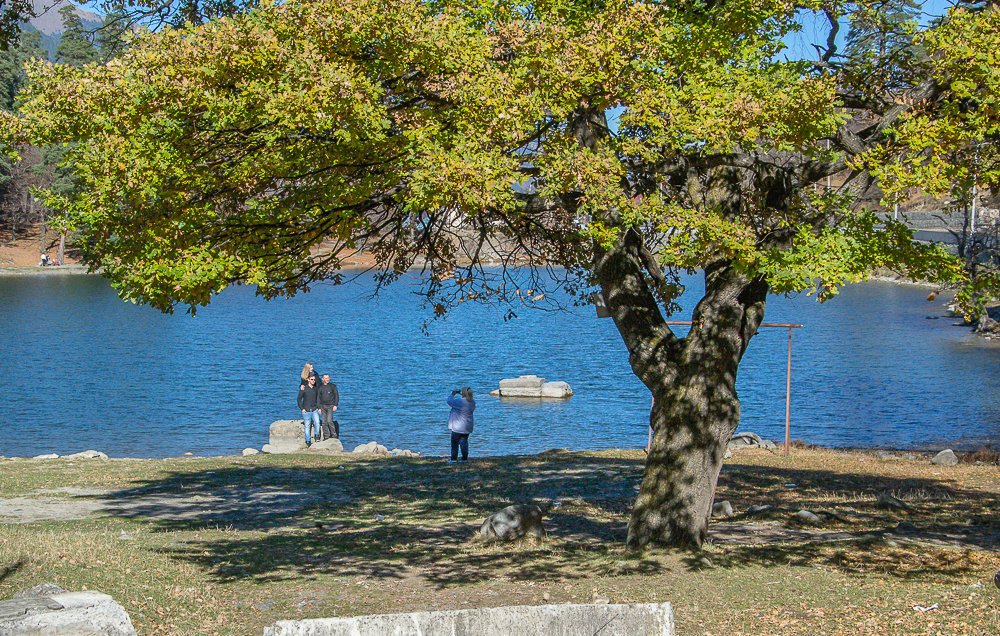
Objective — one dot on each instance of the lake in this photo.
(81, 369)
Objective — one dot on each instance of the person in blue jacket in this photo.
(460, 422)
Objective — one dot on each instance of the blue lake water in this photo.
(81, 369)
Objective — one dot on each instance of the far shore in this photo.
(359, 262)
(47, 270)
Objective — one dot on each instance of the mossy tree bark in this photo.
(693, 381)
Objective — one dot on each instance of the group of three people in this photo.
(319, 401)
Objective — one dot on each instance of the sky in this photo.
(815, 29)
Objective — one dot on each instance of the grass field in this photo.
(228, 545)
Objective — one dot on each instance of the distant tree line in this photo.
(46, 166)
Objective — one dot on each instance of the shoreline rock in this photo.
(946, 457)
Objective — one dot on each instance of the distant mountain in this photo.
(49, 22)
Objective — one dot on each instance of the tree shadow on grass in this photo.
(441, 556)
(397, 518)
(391, 518)
(9, 570)
(925, 509)
(868, 554)
(934, 528)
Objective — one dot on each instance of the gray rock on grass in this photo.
(723, 509)
(885, 500)
(371, 448)
(250, 451)
(512, 523)
(46, 456)
(946, 457)
(805, 516)
(48, 609)
(333, 445)
(87, 454)
(403, 452)
(748, 439)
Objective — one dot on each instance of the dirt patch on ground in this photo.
(245, 506)
(29, 245)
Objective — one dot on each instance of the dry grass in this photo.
(230, 545)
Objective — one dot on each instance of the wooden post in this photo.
(649, 440)
(788, 397)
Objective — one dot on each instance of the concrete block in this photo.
(65, 614)
(286, 436)
(634, 619)
(529, 381)
(523, 386)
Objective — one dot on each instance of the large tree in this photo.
(450, 133)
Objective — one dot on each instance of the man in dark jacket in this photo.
(308, 402)
(328, 401)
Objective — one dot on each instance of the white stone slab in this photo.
(70, 614)
(634, 619)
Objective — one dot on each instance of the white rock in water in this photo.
(46, 456)
(556, 390)
(250, 451)
(946, 457)
(522, 386)
(532, 386)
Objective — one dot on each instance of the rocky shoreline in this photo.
(984, 455)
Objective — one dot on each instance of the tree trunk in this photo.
(692, 422)
(693, 381)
